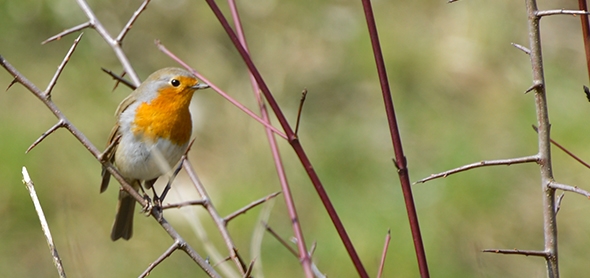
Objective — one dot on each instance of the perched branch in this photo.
(185, 204)
(108, 166)
(44, 226)
(510, 161)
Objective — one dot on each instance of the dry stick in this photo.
(517, 252)
(44, 226)
(295, 144)
(384, 254)
(400, 159)
(99, 156)
(483, 163)
(248, 207)
(585, 32)
(219, 221)
(545, 165)
(291, 209)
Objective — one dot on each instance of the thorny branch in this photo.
(65, 123)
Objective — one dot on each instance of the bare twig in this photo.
(67, 32)
(119, 79)
(249, 270)
(569, 188)
(517, 252)
(175, 246)
(280, 239)
(572, 155)
(44, 226)
(560, 11)
(249, 206)
(384, 254)
(62, 66)
(55, 127)
(132, 20)
(301, 102)
(510, 161)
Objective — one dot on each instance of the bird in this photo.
(153, 127)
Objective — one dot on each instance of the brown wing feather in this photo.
(106, 176)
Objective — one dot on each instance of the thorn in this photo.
(14, 81)
(533, 87)
(522, 48)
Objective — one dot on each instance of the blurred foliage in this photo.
(457, 84)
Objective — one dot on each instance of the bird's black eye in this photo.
(175, 82)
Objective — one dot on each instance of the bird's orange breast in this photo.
(167, 116)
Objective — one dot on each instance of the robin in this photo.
(154, 128)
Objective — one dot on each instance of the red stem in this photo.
(303, 254)
(294, 141)
(401, 163)
(585, 32)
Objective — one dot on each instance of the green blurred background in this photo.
(457, 84)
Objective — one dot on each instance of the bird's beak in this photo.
(200, 86)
